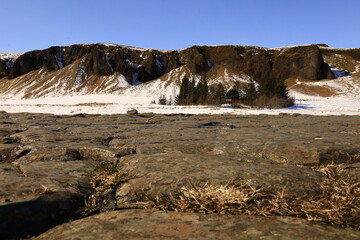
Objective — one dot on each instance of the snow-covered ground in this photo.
(345, 99)
(115, 103)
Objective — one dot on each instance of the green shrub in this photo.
(162, 100)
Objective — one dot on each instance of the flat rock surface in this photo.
(151, 224)
(165, 174)
(43, 154)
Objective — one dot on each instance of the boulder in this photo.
(132, 112)
(100, 154)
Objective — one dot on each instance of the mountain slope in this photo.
(109, 68)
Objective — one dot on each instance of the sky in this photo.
(176, 24)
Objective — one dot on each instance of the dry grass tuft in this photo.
(224, 199)
(338, 204)
(104, 181)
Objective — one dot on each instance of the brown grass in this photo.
(104, 180)
(338, 203)
(356, 75)
(321, 91)
(341, 61)
(224, 199)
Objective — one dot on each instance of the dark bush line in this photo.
(270, 93)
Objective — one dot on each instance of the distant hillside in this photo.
(110, 68)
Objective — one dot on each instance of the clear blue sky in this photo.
(174, 24)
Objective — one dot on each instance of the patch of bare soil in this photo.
(93, 104)
(321, 91)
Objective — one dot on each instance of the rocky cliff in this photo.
(103, 68)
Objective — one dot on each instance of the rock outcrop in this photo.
(80, 67)
(303, 62)
(45, 161)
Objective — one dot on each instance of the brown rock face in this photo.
(305, 62)
(97, 62)
(25, 63)
(3, 69)
(142, 65)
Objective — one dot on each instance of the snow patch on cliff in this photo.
(59, 59)
(80, 74)
(122, 83)
(158, 62)
(11, 56)
(108, 63)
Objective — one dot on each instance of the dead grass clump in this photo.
(104, 180)
(225, 199)
(338, 204)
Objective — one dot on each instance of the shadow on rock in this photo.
(37, 216)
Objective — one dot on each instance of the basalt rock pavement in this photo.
(45, 161)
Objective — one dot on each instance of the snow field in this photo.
(120, 104)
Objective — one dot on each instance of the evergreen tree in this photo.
(162, 100)
(219, 94)
(280, 89)
(201, 92)
(191, 90)
(184, 92)
(186, 95)
(250, 92)
(269, 86)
